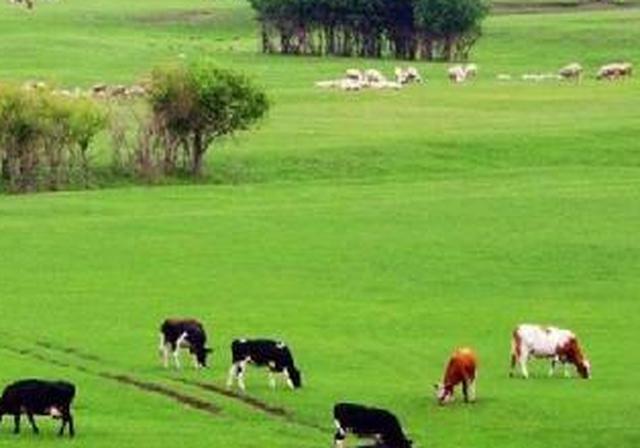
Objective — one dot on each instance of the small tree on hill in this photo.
(196, 104)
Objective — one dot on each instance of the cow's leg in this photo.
(554, 362)
(16, 423)
(285, 372)
(163, 348)
(176, 357)
(524, 357)
(165, 356)
(567, 374)
(241, 371)
(233, 374)
(515, 355)
(465, 390)
(62, 425)
(340, 435)
(33, 423)
(272, 379)
(176, 349)
(67, 419)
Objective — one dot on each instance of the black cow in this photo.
(274, 355)
(368, 422)
(187, 333)
(38, 397)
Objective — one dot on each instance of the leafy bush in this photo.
(44, 138)
(194, 105)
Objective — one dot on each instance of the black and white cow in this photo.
(368, 422)
(184, 333)
(38, 397)
(274, 355)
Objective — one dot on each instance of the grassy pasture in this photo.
(374, 232)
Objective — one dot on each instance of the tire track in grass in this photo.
(145, 386)
(255, 403)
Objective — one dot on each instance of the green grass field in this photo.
(373, 232)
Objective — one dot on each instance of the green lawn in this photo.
(373, 232)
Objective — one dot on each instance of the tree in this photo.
(406, 29)
(199, 103)
(448, 28)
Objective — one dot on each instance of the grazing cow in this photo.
(547, 342)
(461, 369)
(571, 71)
(39, 397)
(183, 333)
(368, 422)
(274, 355)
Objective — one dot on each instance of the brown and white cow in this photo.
(553, 343)
(461, 369)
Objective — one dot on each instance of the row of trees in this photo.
(405, 29)
(46, 139)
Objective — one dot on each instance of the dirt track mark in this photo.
(251, 401)
(70, 351)
(188, 400)
(154, 388)
(275, 411)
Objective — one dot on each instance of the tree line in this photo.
(405, 29)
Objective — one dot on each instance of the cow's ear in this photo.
(208, 350)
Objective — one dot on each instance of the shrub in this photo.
(194, 105)
(44, 138)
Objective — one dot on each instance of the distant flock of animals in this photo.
(356, 79)
(97, 91)
(53, 398)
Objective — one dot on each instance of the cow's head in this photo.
(201, 354)
(443, 393)
(584, 368)
(295, 378)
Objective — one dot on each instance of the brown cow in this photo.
(461, 369)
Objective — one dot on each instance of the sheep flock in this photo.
(356, 79)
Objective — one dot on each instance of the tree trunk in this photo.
(198, 154)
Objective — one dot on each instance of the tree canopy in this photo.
(198, 103)
(405, 29)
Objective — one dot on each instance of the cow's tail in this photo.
(515, 348)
